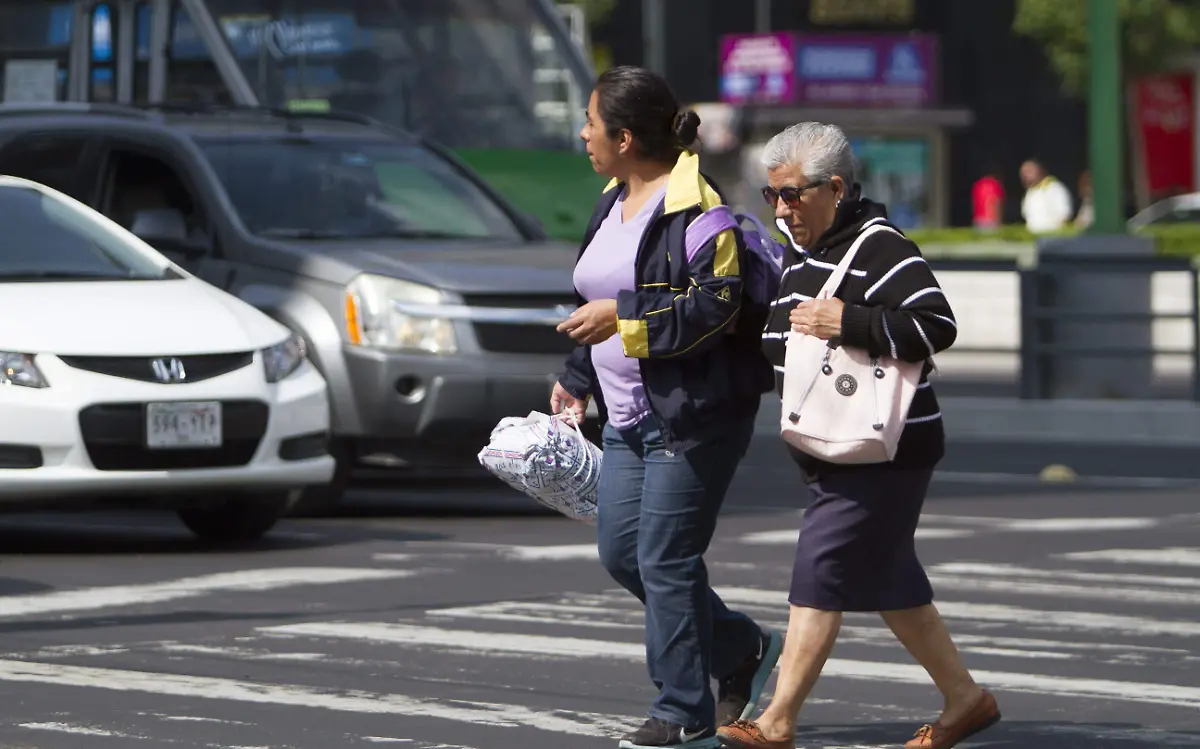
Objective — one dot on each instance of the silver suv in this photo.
(427, 301)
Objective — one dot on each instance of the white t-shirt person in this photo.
(1047, 205)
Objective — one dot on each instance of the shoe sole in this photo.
(710, 743)
(770, 658)
(982, 727)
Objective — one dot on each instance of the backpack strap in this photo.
(706, 227)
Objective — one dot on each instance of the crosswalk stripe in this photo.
(537, 647)
(491, 714)
(90, 599)
(620, 618)
(789, 536)
(1169, 557)
(998, 613)
(993, 569)
(977, 584)
(1046, 525)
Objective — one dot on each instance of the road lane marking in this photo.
(1000, 569)
(93, 599)
(790, 536)
(497, 715)
(1047, 525)
(537, 647)
(619, 617)
(1168, 557)
(1059, 621)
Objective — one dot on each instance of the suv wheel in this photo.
(237, 517)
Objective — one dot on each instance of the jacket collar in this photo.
(686, 186)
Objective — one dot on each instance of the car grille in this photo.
(197, 368)
(115, 437)
(509, 338)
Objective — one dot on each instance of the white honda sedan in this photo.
(125, 380)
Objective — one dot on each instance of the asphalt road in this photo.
(437, 625)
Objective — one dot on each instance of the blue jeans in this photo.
(656, 516)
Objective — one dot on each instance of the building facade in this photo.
(935, 93)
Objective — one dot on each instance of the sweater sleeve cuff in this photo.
(856, 326)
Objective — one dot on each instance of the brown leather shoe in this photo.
(985, 714)
(745, 734)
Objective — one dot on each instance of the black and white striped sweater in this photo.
(893, 307)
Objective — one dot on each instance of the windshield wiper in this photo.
(68, 275)
(297, 233)
(333, 234)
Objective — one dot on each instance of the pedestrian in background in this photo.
(987, 198)
(1047, 206)
(856, 550)
(678, 375)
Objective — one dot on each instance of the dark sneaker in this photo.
(737, 695)
(657, 733)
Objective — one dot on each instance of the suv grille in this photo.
(115, 437)
(197, 368)
(509, 338)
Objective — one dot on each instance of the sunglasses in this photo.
(791, 195)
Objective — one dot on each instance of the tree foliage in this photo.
(1153, 32)
(595, 11)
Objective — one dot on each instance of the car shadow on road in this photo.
(16, 586)
(1008, 735)
(109, 621)
(109, 535)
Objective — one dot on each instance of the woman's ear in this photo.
(625, 143)
(839, 188)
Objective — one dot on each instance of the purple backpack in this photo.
(764, 256)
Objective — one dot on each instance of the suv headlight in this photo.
(19, 369)
(374, 316)
(282, 359)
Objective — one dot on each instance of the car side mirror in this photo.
(533, 224)
(164, 229)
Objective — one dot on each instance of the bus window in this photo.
(468, 73)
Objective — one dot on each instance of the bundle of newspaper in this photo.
(547, 459)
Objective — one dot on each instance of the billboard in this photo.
(831, 70)
(758, 68)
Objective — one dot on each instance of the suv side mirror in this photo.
(533, 224)
(164, 229)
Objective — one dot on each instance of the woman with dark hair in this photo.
(669, 350)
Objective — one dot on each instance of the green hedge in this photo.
(1176, 240)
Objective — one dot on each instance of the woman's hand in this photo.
(821, 318)
(561, 402)
(594, 322)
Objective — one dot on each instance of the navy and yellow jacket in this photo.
(695, 337)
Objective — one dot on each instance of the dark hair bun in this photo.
(686, 127)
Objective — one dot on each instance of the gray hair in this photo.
(821, 150)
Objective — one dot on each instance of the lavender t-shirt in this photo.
(608, 267)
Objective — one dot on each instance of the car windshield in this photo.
(45, 238)
(315, 188)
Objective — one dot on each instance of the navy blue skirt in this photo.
(856, 550)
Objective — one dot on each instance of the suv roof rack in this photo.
(168, 107)
(71, 107)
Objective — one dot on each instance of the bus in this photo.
(502, 83)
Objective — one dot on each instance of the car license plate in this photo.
(183, 425)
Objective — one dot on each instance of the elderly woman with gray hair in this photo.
(856, 550)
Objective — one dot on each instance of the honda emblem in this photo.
(168, 370)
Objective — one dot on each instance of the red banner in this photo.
(1165, 117)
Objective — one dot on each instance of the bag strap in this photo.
(834, 282)
(706, 227)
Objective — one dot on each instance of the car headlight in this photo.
(282, 359)
(19, 369)
(375, 316)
